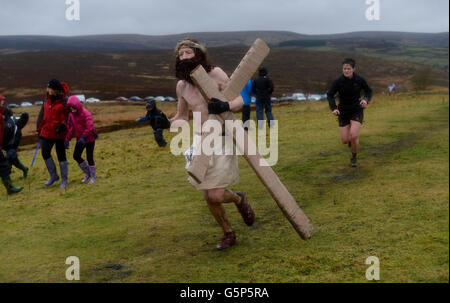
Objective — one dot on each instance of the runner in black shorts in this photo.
(350, 111)
(344, 118)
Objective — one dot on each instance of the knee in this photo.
(214, 198)
(11, 154)
(46, 155)
(354, 137)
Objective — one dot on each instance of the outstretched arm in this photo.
(142, 119)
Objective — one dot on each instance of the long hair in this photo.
(183, 68)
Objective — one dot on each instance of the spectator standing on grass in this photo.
(158, 121)
(350, 110)
(262, 88)
(5, 165)
(246, 95)
(51, 126)
(80, 125)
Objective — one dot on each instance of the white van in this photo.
(82, 98)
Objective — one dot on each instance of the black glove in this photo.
(217, 106)
(60, 128)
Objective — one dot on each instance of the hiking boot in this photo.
(353, 162)
(228, 239)
(246, 211)
(85, 168)
(9, 187)
(51, 167)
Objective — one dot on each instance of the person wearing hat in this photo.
(158, 121)
(262, 88)
(5, 165)
(51, 126)
(11, 144)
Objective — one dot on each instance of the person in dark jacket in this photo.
(11, 145)
(350, 110)
(158, 121)
(262, 88)
(5, 134)
(52, 128)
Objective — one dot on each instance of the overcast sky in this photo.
(161, 17)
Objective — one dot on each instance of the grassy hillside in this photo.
(109, 75)
(126, 42)
(436, 57)
(142, 222)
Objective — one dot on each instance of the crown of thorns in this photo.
(190, 44)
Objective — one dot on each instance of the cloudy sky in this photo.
(160, 17)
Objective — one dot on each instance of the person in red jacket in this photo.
(52, 128)
(5, 165)
(81, 125)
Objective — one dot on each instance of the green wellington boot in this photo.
(9, 187)
(23, 168)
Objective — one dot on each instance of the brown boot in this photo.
(228, 239)
(247, 212)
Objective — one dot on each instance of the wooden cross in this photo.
(199, 164)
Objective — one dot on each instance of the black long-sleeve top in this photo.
(262, 87)
(349, 91)
(157, 119)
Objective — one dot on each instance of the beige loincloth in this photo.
(222, 172)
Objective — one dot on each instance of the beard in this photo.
(183, 68)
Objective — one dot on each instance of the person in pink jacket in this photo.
(80, 124)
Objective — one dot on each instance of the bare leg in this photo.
(230, 196)
(354, 133)
(345, 133)
(215, 198)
